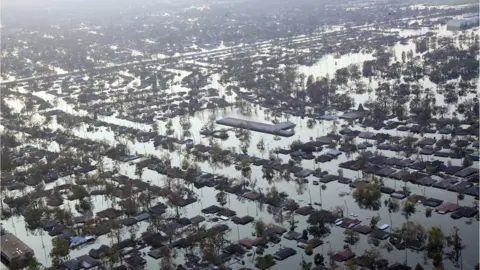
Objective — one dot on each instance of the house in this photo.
(13, 248)
(343, 255)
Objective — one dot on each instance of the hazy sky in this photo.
(53, 3)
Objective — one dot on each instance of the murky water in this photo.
(304, 194)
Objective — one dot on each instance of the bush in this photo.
(437, 259)
(428, 212)
(308, 249)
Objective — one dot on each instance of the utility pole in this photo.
(346, 206)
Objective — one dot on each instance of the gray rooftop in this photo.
(280, 129)
(12, 247)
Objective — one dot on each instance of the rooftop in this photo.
(281, 129)
(12, 247)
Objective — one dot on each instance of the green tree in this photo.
(318, 224)
(408, 209)
(437, 259)
(436, 240)
(428, 212)
(273, 195)
(212, 244)
(413, 232)
(368, 196)
(264, 262)
(374, 221)
(259, 227)
(361, 163)
(79, 192)
(393, 207)
(60, 250)
(350, 264)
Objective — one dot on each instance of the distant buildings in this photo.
(13, 248)
(467, 21)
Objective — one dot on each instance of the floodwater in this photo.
(302, 193)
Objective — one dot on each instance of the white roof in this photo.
(384, 226)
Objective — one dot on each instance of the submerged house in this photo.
(355, 114)
(12, 248)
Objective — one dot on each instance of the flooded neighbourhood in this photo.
(240, 135)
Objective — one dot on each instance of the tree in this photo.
(166, 262)
(291, 217)
(29, 262)
(318, 224)
(176, 197)
(33, 216)
(79, 192)
(212, 244)
(368, 196)
(437, 259)
(374, 221)
(261, 145)
(260, 227)
(370, 257)
(361, 163)
(467, 162)
(318, 259)
(221, 198)
(339, 210)
(351, 237)
(305, 235)
(408, 209)
(428, 212)
(169, 131)
(414, 233)
(455, 242)
(393, 205)
(64, 215)
(264, 262)
(436, 241)
(60, 250)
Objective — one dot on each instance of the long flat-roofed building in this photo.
(280, 129)
(467, 21)
(13, 248)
